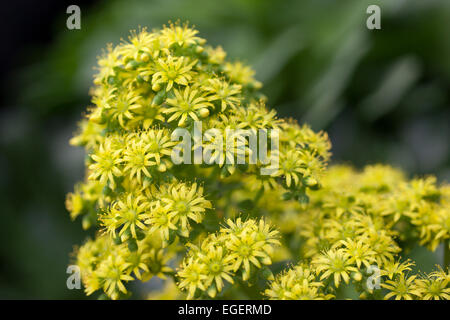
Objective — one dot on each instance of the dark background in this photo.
(382, 95)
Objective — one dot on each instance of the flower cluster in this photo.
(358, 227)
(240, 248)
(108, 266)
(144, 89)
(298, 283)
(167, 209)
(170, 78)
(206, 227)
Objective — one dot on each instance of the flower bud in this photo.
(145, 57)
(162, 167)
(357, 276)
(204, 112)
(156, 87)
(86, 222)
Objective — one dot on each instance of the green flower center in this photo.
(154, 147)
(182, 207)
(172, 74)
(184, 106)
(245, 250)
(215, 267)
(162, 220)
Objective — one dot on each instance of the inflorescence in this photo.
(215, 229)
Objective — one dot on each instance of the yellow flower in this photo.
(298, 283)
(91, 253)
(384, 246)
(106, 165)
(393, 268)
(172, 70)
(216, 55)
(137, 260)
(137, 159)
(89, 135)
(103, 98)
(186, 104)
(123, 105)
(402, 288)
(186, 202)
(241, 74)
(433, 223)
(227, 95)
(256, 116)
(181, 35)
(107, 62)
(270, 236)
(74, 203)
(291, 167)
(139, 45)
(126, 214)
(157, 261)
(334, 262)
(433, 288)
(161, 218)
(218, 268)
(112, 272)
(221, 146)
(245, 249)
(158, 142)
(192, 275)
(146, 116)
(358, 252)
(380, 178)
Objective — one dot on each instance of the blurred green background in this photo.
(382, 95)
